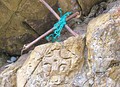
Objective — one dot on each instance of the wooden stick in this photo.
(25, 47)
(57, 16)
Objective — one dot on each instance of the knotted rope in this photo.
(58, 26)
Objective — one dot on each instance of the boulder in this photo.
(103, 39)
(102, 66)
(103, 43)
(48, 65)
(92, 61)
(13, 32)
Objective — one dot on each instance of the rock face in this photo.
(69, 5)
(103, 42)
(66, 64)
(13, 33)
(48, 65)
(86, 5)
(9, 75)
(76, 5)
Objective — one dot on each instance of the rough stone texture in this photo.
(13, 33)
(74, 5)
(103, 42)
(48, 65)
(102, 68)
(61, 63)
(8, 76)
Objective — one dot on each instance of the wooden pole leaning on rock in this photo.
(57, 16)
(25, 47)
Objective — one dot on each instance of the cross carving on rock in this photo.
(25, 47)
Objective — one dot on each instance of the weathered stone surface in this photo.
(61, 63)
(103, 42)
(52, 64)
(13, 33)
(102, 69)
(8, 76)
(114, 73)
(74, 5)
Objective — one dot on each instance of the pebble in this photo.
(12, 59)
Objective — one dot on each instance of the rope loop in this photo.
(58, 26)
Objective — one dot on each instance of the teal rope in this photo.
(58, 26)
(60, 11)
